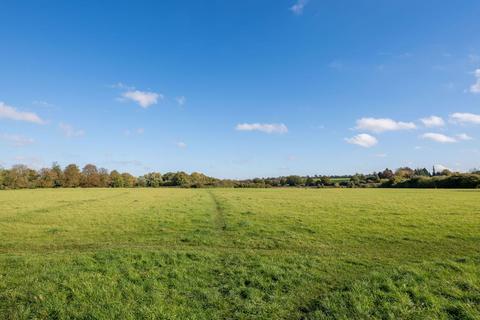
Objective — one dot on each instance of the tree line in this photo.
(21, 177)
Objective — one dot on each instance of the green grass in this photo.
(239, 254)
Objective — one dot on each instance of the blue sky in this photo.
(241, 88)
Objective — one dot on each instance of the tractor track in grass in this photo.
(219, 214)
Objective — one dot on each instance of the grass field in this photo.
(239, 254)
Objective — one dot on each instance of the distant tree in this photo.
(445, 172)
(326, 181)
(104, 178)
(198, 179)
(90, 176)
(309, 182)
(294, 181)
(405, 172)
(3, 174)
(57, 175)
(129, 181)
(181, 179)
(153, 179)
(357, 180)
(20, 176)
(116, 179)
(71, 176)
(168, 178)
(386, 174)
(422, 172)
(46, 178)
(141, 182)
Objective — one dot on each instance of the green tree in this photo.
(326, 181)
(104, 178)
(404, 172)
(57, 175)
(181, 179)
(129, 181)
(422, 172)
(153, 179)
(294, 181)
(116, 179)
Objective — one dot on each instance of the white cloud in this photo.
(475, 88)
(181, 100)
(181, 145)
(465, 118)
(438, 137)
(378, 125)
(69, 131)
(298, 7)
(16, 140)
(440, 168)
(144, 98)
(9, 112)
(464, 137)
(363, 139)
(433, 121)
(263, 127)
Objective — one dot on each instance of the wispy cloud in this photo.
(463, 136)
(181, 145)
(143, 98)
(262, 127)
(16, 140)
(181, 100)
(378, 125)
(42, 103)
(32, 162)
(433, 121)
(438, 137)
(464, 118)
(138, 131)
(473, 58)
(69, 131)
(363, 140)
(121, 85)
(9, 112)
(475, 88)
(298, 7)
